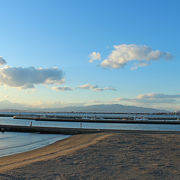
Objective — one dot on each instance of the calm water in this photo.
(11, 143)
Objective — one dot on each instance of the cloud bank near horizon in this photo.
(152, 98)
(122, 54)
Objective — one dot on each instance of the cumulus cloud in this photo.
(142, 55)
(94, 56)
(152, 98)
(2, 61)
(30, 76)
(95, 87)
(65, 88)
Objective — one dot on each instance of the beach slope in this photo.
(99, 156)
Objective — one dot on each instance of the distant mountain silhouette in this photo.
(114, 108)
(104, 108)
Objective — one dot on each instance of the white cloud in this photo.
(95, 87)
(142, 55)
(30, 76)
(2, 61)
(152, 98)
(62, 88)
(94, 56)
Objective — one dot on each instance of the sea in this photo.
(14, 142)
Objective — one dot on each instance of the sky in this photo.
(56, 53)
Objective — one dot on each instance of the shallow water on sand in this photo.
(12, 142)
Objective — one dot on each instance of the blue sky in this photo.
(56, 37)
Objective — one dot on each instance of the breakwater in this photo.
(74, 131)
(47, 130)
(90, 120)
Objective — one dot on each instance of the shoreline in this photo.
(12, 143)
(59, 148)
(96, 131)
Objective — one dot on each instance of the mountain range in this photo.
(108, 108)
(104, 108)
(6, 106)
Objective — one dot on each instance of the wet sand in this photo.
(99, 156)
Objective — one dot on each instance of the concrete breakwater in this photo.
(89, 120)
(47, 130)
(74, 131)
(94, 117)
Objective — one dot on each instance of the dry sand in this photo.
(99, 156)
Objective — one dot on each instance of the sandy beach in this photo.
(99, 156)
